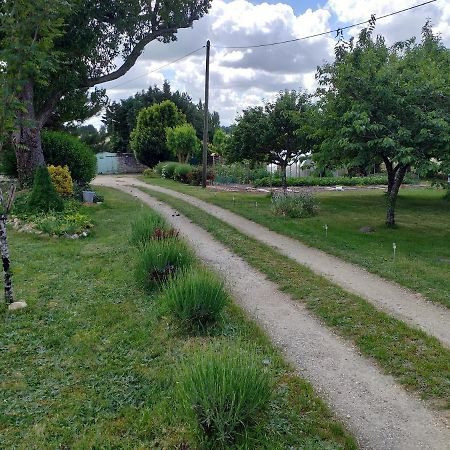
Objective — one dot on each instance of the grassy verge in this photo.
(423, 217)
(418, 361)
(92, 364)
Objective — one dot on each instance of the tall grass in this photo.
(160, 260)
(196, 298)
(294, 205)
(144, 226)
(223, 390)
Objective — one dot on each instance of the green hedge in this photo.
(184, 173)
(330, 181)
(61, 149)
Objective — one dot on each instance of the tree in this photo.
(182, 142)
(277, 133)
(56, 51)
(387, 104)
(148, 139)
(220, 142)
(120, 117)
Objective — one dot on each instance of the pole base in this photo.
(17, 305)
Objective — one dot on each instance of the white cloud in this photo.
(243, 77)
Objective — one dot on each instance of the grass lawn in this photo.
(92, 364)
(418, 361)
(422, 237)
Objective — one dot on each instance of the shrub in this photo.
(61, 179)
(149, 173)
(223, 390)
(196, 298)
(44, 197)
(147, 226)
(239, 173)
(168, 169)
(62, 149)
(160, 260)
(182, 173)
(294, 205)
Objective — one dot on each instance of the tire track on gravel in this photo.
(400, 302)
(378, 411)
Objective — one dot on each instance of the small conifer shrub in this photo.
(44, 197)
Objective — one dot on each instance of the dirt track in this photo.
(406, 305)
(380, 413)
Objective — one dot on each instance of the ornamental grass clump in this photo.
(148, 226)
(294, 205)
(158, 261)
(196, 298)
(223, 391)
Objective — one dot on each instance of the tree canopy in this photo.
(148, 139)
(183, 142)
(277, 133)
(121, 117)
(56, 51)
(387, 104)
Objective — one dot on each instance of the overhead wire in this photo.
(158, 68)
(336, 30)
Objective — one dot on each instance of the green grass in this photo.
(422, 236)
(91, 364)
(416, 360)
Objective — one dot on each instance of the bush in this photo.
(44, 197)
(168, 169)
(147, 226)
(196, 298)
(150, 173)
(62, 149)
(294, 205)
(160, 260)
(182, 173)
(61, 179)
(223, 391)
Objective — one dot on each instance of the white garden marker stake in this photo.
(394, 247)
(326, 230)
(234, 200)
(256, 204)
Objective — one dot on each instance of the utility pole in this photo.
(205, 122)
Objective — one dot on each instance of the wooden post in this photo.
(205, 122)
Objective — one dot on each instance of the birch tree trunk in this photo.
(9, 296)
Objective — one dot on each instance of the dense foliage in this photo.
(294, 206)
(387, 104)
(121, 117)
(62, 149)
(44, 197)
(183, 142)
(56, 51)
(148, 139)
(61, 179)
(279, 133)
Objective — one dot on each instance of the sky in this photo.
(243, 78)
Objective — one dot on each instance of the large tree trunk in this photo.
(27, 139)
(400, 172)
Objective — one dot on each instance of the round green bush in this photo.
(196, 298)
(62, 149)
(159, 260)
(223, 390)
(294, 205)
(168, 169)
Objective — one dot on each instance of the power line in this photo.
(159, 68)
(337, 30)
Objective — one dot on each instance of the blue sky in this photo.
(244, 78)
